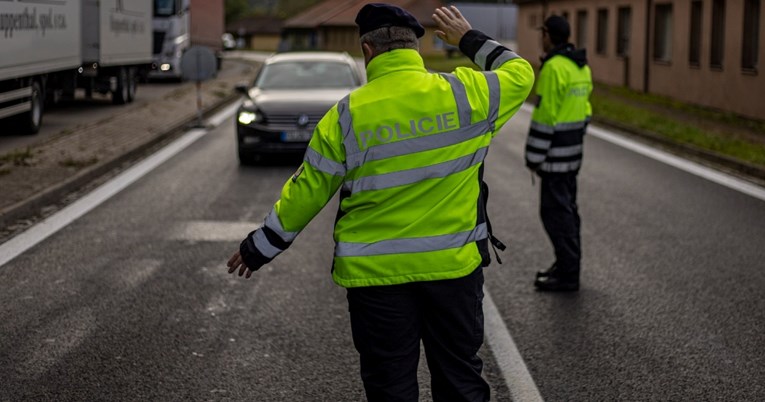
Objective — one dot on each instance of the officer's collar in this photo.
(394, 60)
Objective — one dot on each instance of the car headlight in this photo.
(246, 117)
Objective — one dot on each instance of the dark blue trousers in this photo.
(560, 218)
(388, 323)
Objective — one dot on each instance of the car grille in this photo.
(291, 119)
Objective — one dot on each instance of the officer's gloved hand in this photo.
(251, 256)
(247, 260)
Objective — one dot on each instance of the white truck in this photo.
(51, 48)
(180, 24)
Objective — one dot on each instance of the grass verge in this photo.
(719, 132)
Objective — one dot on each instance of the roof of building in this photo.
(256, 25)
(343, 13)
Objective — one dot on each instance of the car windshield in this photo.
(306, 75)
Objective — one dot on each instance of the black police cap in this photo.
(558, 28)
(379, 15)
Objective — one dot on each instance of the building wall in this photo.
(267, 42)
(346, 39)
(207, 23)
(728, 88)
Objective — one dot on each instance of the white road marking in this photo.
(511, 365)
(672, 160)
(224, 114)
(213, 230)
(47, 227)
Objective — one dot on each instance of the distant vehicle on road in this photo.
(180, 24)
(289, 96)
(52, 48)
(229, 43)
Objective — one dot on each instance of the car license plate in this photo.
(296, 136)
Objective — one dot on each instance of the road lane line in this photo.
(686, 165)
(224, 114)
(52, 224)
(517, 377)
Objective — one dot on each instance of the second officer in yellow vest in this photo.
(554, 149)
(406, 152)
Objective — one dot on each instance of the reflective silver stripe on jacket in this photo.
(411, 245)
(534, 157)
(561, 167)
(272, 221)
(263, 245)
(538, 142)
(548, 129)
(503, 58)
(566, 151)
(346, 127)
(410, 176)
(493, 83)
(542, 128)
(482, 55)
(322, 164)
(460, 96)
(484, 52)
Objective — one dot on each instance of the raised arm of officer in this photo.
(515, 74)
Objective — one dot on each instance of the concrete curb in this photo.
(32, 205)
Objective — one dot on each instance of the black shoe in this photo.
(546, 272)
(555, 284)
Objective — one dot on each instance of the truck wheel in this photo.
(121, 94)
(132, 84)
(29, 122)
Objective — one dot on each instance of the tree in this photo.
(236, 9)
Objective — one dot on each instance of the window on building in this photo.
(662, 33)
(718, 34)
(623, 30)
(581, 28)
(694, 45)
(751, 43)
(533, 21)
(602, 40)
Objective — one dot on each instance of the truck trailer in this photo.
(52, 48)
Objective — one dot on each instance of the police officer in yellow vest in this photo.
(406, 152)
(554, 149)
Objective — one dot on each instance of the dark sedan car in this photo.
(290, 95)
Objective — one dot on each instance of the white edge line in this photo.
(224, 114)
(672, 160)
(52, 224)
(511, 365)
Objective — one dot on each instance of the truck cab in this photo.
(172, 37)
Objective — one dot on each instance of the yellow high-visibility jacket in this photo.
(406, 151)
(556, 137)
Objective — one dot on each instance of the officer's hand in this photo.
(452, 25)
(236, 262)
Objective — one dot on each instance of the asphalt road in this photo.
(132, 301)
(71, 115)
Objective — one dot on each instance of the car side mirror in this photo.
(244, 89)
